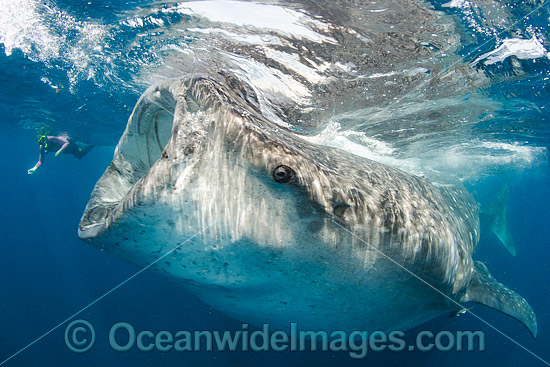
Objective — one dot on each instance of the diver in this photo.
(58, 144)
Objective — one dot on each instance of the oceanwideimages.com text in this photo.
(80, 336)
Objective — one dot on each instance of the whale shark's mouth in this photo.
(147, 134)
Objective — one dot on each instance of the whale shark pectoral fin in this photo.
(485, 289)
(498, 212)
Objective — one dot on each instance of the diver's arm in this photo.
(65, 144)
(40, 160)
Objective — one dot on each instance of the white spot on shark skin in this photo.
(521, 48)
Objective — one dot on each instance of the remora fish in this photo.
(271, 228)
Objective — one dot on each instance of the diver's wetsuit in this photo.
(54, 143)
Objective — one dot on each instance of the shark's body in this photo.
(271, 228)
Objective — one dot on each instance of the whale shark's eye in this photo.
(283, 174)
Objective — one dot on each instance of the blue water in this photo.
(48, 274)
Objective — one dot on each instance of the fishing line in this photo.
(103, 296)
(461, 59)
(440, 292)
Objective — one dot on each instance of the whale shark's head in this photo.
(241, 202)
(242, 205)
(197, 157)
(202, 153)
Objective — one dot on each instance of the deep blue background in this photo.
(47, 274)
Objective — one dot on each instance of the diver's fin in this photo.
(498, 211)
(486, 290)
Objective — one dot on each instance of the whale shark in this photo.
(269, 227)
